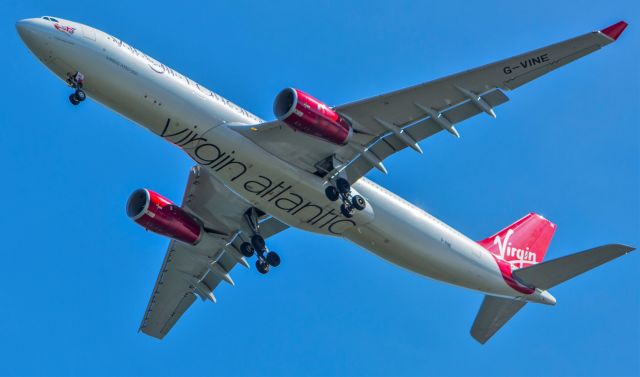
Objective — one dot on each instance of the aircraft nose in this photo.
(32, 35)
(24, 26)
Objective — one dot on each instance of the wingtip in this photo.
(614, 30)
(626, 248)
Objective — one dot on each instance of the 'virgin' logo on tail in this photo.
(511, 254)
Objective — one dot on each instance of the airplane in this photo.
(306, 169)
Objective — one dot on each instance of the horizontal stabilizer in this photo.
(493, 314)
(551, 273)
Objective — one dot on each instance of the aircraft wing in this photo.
(390, 122)
(189, 272)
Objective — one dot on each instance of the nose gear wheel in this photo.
(75, 81)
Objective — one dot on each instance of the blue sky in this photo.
(76, 273)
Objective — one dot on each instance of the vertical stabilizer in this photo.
(524, 243)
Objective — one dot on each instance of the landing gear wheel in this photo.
(246, 249)
(358, 202)
(343, 186)
(80, 95)
(332, 193)
(262, 266)
(273, 259)
(74, 101)
(346, 211)
(258, 242)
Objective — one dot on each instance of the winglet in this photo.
(614, 30)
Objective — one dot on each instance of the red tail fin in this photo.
(523, 243)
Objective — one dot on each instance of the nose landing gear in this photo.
(75, 81)
(342, 191)
(257, 245)
(76, 97)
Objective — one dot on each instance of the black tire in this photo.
(80, 95)
(358, 202)
(246, 249)
(258, 242)
(343, 186)
(332, 193)
(346, 212)
(74, 101)
(262, 266)
(273, 259)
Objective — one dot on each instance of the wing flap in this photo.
(456, 114)
(389, 143)
(167, 299)
(184, 304)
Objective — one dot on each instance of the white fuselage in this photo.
(202, 123)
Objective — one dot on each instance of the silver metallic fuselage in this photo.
(202, 123)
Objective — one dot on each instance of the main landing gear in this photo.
(257, 245)
(75, 81)
(342, 191)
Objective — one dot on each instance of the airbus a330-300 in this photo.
(306, 170)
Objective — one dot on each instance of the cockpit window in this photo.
(53, 19)
(46, 18)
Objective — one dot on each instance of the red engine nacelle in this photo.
(159, 215)
(306, 114)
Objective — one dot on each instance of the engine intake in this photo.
(306, 114)
(159, 215)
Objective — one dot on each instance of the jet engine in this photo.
(159, 215)
(306, 114)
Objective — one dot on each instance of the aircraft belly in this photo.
(410, 238)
